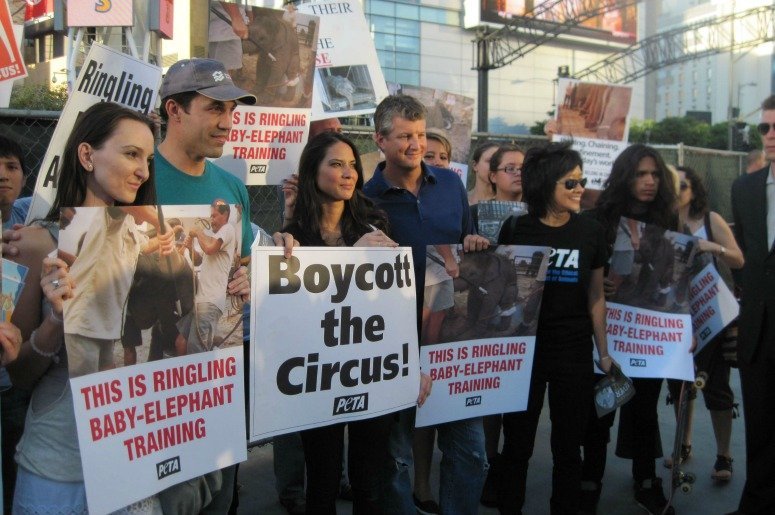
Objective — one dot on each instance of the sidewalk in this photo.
(258, 495)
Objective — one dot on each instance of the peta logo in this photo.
(705, 332)
(168, 467)
(257, 168)
(218, 76)
(351, 404)
(637, 362)
(473, 401)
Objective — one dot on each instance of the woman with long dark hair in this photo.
(640, 187)
(480, 164)
(573, 311)
(331, 211)
(717, 244)
(107, 162)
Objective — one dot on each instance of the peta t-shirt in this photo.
(578, 247)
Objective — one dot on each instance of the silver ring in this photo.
(55, 283)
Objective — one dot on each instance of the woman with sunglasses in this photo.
(573, 310)
(715, 240)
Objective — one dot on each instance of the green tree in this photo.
(38, 97)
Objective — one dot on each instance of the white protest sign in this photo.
(713, 305)
(649, 343)
(107, 75)
(476, 378)
(333, 337)
(596, 117)
(481, 358)
(157, 424)
(348, 77)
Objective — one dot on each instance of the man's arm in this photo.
(209, 244)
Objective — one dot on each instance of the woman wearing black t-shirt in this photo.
(332, 211)
(572, 312)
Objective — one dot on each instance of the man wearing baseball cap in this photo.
(198, 101)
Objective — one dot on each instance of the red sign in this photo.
(11, 64)
(37, 9)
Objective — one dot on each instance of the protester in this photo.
(14, 400)
(753, 209)
(505, 177)
(480, 164)
(107, 159)
(287, 449)
(198, 101)
(425, 206)
(639, 187)
(439, 295)
(332, 211)
(715, 239)
(439, 150)
(572, 313)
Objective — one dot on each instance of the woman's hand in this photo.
(426, 383)
(605, 364)
(285, 240)
(166, 240)
(290, 189)
(609, 288)
(56, 283)
(10, 341)
(375, 238)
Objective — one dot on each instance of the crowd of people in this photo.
(413, 199)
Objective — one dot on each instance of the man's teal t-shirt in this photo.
(174, 187)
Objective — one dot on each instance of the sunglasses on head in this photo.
(571, 184)
(764, 128)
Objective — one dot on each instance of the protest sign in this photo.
(272, 55)
(649, 325)
(12, 280)
(348, 77)
(106, 75)
(450, 114)
(6, 86)
(99, 13)
(167, 403)
(482, 357)
(333, 337)
(596, 117)
(11, 62)
(490, 215)
(713, 305)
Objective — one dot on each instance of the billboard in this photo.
(617, 23)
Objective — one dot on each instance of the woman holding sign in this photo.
(107, 160)
(717, 241)
(331, 211)
(573, 311)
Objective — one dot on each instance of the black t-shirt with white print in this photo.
(578, 247)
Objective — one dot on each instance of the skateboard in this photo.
(681, 479)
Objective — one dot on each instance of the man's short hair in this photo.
(10, 148)
(404, 106)
(183, 99)
(769, 103)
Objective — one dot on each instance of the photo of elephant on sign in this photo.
(275, 54)
(497, 293)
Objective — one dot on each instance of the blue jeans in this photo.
(463, 466)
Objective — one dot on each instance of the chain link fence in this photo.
(34, 129)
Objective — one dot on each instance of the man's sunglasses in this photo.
(764, 128)
(571, 184)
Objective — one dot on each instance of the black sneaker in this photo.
(652, 498)
(722, 470)
(429, 507)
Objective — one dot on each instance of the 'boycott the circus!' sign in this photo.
(335, 338)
